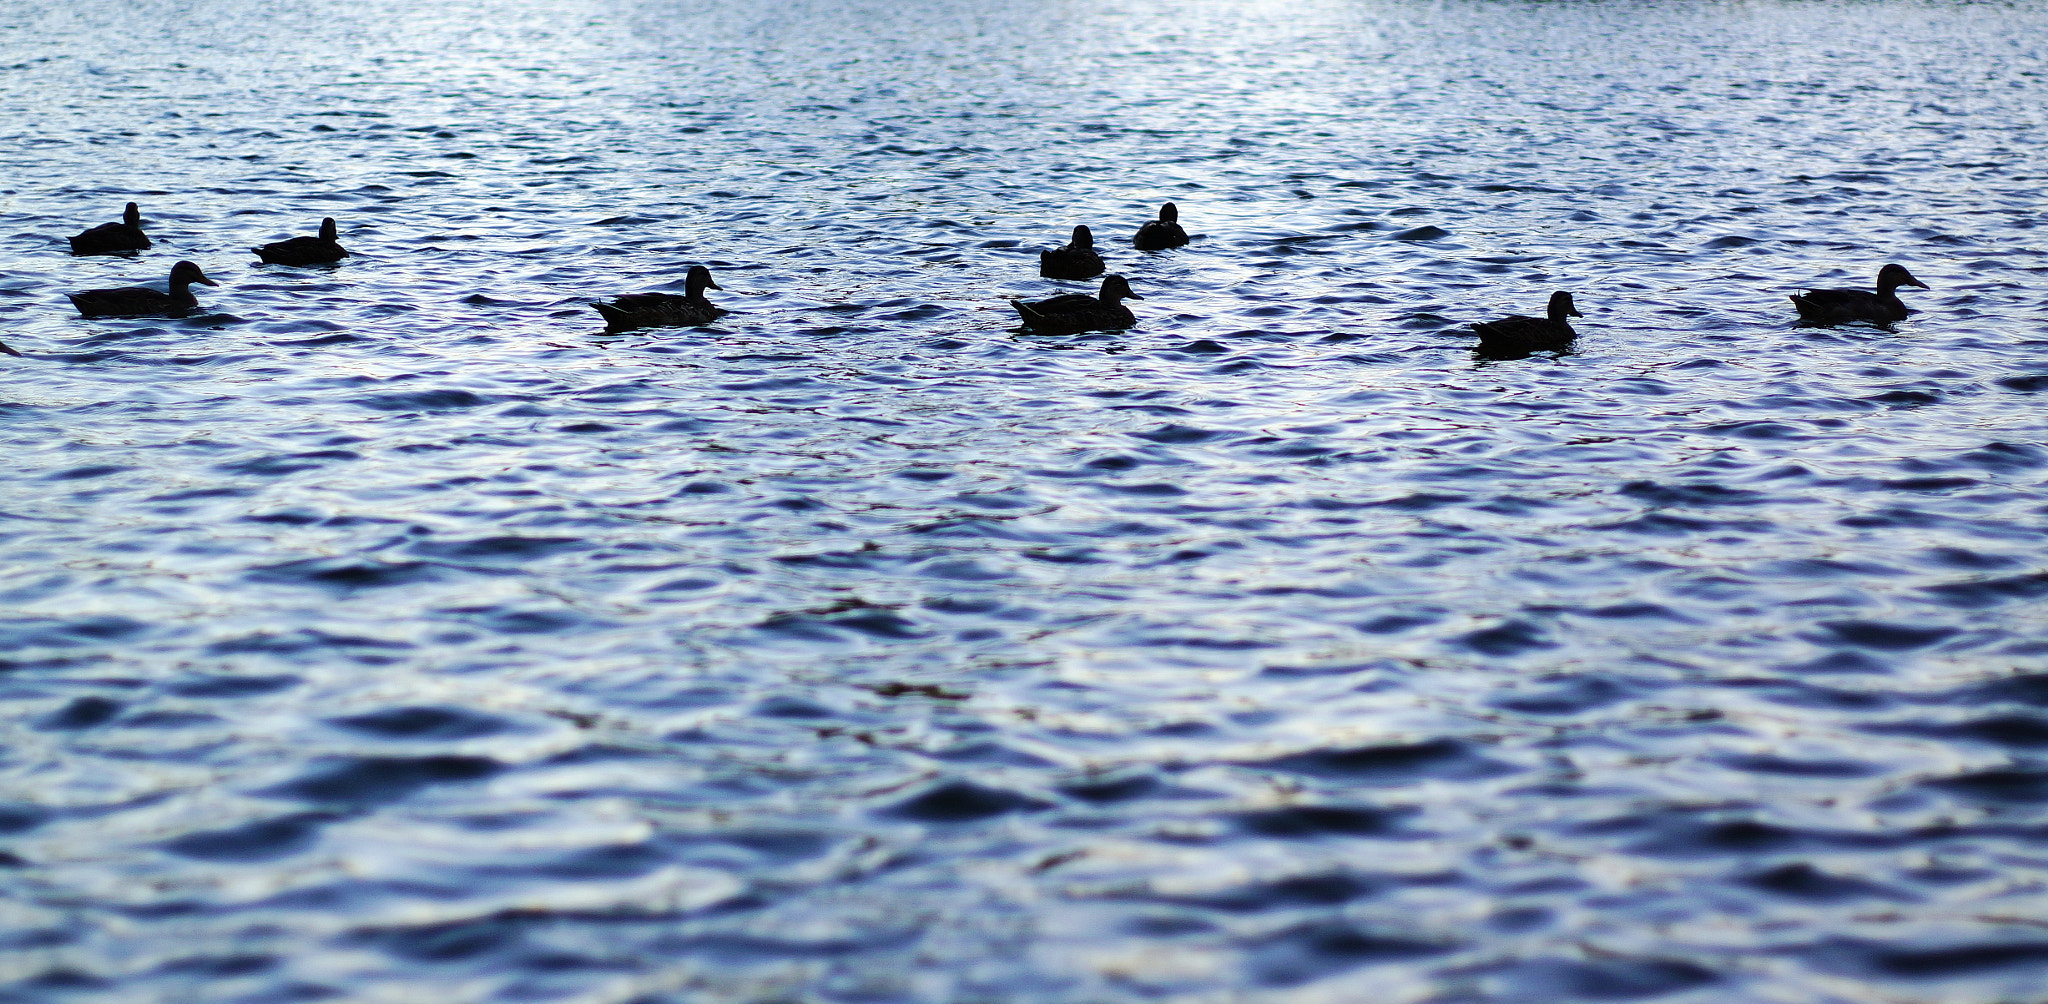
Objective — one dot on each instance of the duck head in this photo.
(699, 280)
(1169, 213)
(327, 230)
(1114, 288)
(185, 273)
(1892, 277)
(1561, 306)
(1083, 237)
(132, 215)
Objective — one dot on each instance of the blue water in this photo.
(387, 632)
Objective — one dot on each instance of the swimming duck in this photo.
(1519, 336)
(664, 310)
(114, 238)
(1065, 315)
(1840, 306)
(304, 250)
(1077, 260)
(144, 301)
(1162, 233)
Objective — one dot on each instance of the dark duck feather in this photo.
(1077, 260)
(305, 250)
(1162, 233)
(145, 301)
(1827, 307)
(1519, 336)
(114, 238)
(664, 310)
(1075, 312)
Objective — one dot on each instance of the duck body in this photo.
(145, 301)
(1162, 233)
(305, 250)
(1518, 336)
(114, 238)
(1077, 260)
(1077, 312)
(1828, 307)
(664, 310)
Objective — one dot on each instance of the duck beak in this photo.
(1128, 295)
(1910, 281)
(204, 279)
(1575, 312)
(713, 284)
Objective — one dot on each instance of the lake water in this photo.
(388, 633)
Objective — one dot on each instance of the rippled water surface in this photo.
(387, 632)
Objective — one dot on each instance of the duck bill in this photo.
(203, 279)
(1132, 296)
(708, 284)
(1916, 282)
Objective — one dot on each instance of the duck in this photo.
(664, 310)
(1162, 233)
(1518, 336)
(1076, 312)
(304, 250)
(1077, 260)
(1825, 307)
(114, 238)
(144, 301)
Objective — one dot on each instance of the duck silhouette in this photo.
(664, 310)
(144, 301)
(114, 238)
(1518, 336)
(305, 250)
(1077, 260)
(1075, 312)
(1829, 307)
(1162, 233)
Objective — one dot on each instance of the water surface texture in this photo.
(386, 632)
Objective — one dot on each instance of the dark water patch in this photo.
(229, 687)
(1802, 881)
(81, 713)
(1949, 962)
(347, 574)
(253, 843)
(1886, 637)
(422, 723)
(1394, 764)
(2017, 731)
(963, 802)
(1789, 767)
(1600, 979)
(1319, 950)
(2003, 786)
(371, 780)
(445, 399)
(1979, 593)
(1303, 822)
(498, 548)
